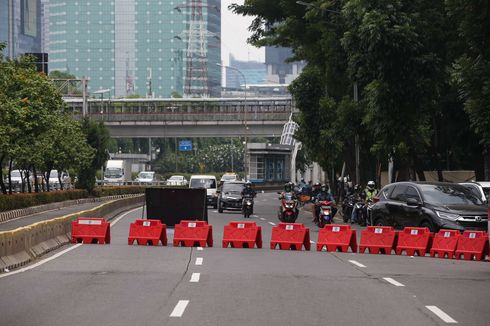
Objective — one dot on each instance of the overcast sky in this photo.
(234, 34)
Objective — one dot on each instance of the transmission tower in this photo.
(196, 82)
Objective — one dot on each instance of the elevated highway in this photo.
(210, 117)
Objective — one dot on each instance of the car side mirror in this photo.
(412, 202)
(218, 191)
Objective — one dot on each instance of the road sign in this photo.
(185, 145)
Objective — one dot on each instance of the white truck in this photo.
(117, 172)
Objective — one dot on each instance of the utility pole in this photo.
(84, 96)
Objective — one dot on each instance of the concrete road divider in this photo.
(193, 234)
(337, 237)
(413, 241)
(90, 230)
(20, 246)
(472, 245)
(242, 235)
(444, 244)
(290, 236)
(378, 239)
(146, 232)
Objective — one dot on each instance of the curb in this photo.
(25, 244)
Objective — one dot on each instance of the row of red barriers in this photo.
(294, 236)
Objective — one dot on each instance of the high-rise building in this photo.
(253, 71)
(20, 26)
(278, 70)
(129, 46)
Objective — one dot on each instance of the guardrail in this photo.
(21, 246)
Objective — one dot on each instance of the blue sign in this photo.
(185, 145)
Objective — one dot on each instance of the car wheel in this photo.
(379, 221)
(429, 225)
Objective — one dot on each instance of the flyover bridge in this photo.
(208, 117)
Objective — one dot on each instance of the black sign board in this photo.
(171, 205)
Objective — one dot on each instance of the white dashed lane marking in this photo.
(272, 223)
(392, 281)
(358, 264)
(441, 314)
(199, 260)
(199, 248)
(263, 219)
(179, 308)
(195, 277)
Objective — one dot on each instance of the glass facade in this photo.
(129, 47)
(20, 26)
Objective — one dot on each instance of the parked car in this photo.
(230, 196)
(145, 177)
(54, 181)
(209, 183)
(176, 180)
(486, 188)
(477, 190)
(436, 205)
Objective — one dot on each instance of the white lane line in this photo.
(263, 219)
(195, 277)
(392, 281)
(441, 314)
(358, 264)
(272, 223)
(199, 248)
(199, 260)
(312, 242)
(61, 253)
(179, 308)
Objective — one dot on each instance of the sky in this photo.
(234, 34)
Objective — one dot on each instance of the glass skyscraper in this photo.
(20, 26)
(130, 47)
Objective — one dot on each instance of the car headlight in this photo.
(448, 216)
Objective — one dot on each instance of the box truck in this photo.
(117, 172)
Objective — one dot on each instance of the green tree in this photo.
(98, 137)
(472, 70)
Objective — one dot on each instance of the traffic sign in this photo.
(185, 145)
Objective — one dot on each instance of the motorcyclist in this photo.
(247, 192)
(288, 189)
(367, 195)
(323, 195)
(315, 190)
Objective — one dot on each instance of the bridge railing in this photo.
(185, 109)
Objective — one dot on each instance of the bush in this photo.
(114, 191)
(17, 201)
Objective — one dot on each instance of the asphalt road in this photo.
(118, 284)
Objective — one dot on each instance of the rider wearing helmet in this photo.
(247, 192)
(316, 188)
(370, 191)
(367, 195)
(323, 195)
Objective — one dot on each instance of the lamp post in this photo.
(245, 163)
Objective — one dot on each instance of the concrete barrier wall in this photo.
(21, 246)
(9, 215)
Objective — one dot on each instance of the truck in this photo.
(117, 172)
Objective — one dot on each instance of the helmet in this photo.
(371, 185)
(317, 186)
(248, 184)
(324, 188)
(288, 187)
(357, 187)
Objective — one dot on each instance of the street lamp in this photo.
(245, 163)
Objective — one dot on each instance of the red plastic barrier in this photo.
(193, 233)
(90, 230)
(242, 235)
(472, 245)
(337, 237)
(147, 232)
(378, 239)
(290, 236)
(414, 241)
(444, 243)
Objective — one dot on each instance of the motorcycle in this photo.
(347, 207)
(247, 206)
(325, 215)
(288, 211)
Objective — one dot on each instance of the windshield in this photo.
(203, 183)
(15, 174)
(177, 178)
(53, 174)
(232, 187)
(145, 175)
(449, 195)
(228, 177)
(288, 196)
(113, 173)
